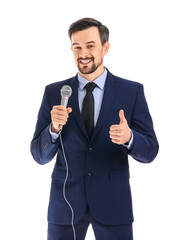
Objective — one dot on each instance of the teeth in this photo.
(86, 61)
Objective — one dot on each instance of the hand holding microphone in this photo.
(60, 114)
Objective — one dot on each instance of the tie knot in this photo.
(90, 86)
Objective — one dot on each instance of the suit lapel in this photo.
(73, 103)
(107, 103)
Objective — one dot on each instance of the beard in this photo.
(88, 70)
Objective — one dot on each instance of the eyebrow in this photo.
(85, 43)
(90, 42)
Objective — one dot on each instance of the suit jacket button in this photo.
(89, 174)
(90, 149)
(47, 146)
(137, 154)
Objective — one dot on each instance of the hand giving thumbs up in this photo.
(120, 133)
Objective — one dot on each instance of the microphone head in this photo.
(66, 91)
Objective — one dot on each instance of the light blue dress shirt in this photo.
(98, 94)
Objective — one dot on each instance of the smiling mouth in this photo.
(85, 62)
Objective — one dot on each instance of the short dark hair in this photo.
(85, 23)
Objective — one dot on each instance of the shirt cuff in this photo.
(54, 136)
(130, 143)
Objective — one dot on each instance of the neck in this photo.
(92, 76)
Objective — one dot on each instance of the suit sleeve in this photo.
(145, 145)
(42, 147)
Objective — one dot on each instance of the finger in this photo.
(115, 127)
(69, 110)
(61, 110)
(59, 117)
(122, 117)
(116, 141)
(58, 113)
(58, 120)
(116, 133)
(117, 136)
(59, 107)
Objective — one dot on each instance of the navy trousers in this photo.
(101, 231)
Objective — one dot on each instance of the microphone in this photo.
(66, 92)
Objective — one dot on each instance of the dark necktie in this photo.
(88, 108)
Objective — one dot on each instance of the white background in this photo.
(149, 44)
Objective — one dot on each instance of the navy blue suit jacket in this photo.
(98, 169)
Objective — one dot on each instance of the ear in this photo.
(106, 47)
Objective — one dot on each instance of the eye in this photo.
(77, 48)
(91, 46)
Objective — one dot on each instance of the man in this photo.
(103, 124)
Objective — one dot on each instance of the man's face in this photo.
(88, 50)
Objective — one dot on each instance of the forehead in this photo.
(87, 35)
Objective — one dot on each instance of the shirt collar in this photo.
(100, 81)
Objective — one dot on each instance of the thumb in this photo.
(122, 117)
(69, 110)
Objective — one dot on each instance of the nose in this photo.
(84, 53)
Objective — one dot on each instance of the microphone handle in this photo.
(64, 101)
